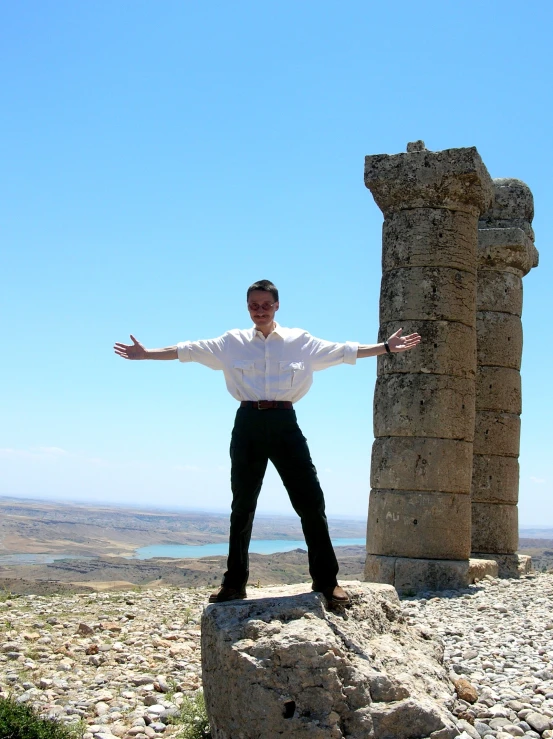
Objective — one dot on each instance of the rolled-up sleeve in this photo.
(208, 352)
(328, 354)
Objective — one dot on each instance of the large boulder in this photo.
(281, 664)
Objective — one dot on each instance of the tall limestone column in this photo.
(419, 528)
(506, 253)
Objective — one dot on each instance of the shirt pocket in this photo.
(290, 373)
(243, 365)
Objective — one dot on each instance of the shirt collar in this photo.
(277, 330)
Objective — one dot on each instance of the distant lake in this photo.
(257, 546)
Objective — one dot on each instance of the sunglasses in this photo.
(257, 306)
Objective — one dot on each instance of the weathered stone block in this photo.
(494, 528)
(410, 576)
(509, 565)
(425, 464)
(380, 568)
(424, 405)
(498, 339)
(428, 294)
(498, 389)
(512, 205)
(506, 249)
(495, 479)
(283, 665)
(420, 525)
(499, 291)
(497, 434)
(446, 348)
(422, 237)
(454, 178)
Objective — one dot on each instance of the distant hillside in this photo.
(28, 526)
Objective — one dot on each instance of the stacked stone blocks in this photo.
(444, 473)
(506, 253)
(424, 405)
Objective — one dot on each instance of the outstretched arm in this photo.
(396, 343)
(137, 351)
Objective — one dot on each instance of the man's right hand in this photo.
(137, 351)
(131, 351)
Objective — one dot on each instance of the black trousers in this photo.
(259, 436)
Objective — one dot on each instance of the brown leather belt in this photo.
(264, 405)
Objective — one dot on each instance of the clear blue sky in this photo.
(158, 157)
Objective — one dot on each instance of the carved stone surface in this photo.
(428, 294)
(439, 406)
(499, 291)
(409, 523)
(499, 339)
(455, 179)
(424, 407)
(497, 433)
(449, 348)
(404, 463)
(494, 525)
(512, 206)
(498, 389)
(285, 666)
(409, 575)
(495, 479)
(417, 238)
(506, 252)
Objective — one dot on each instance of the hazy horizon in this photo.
(175, 508)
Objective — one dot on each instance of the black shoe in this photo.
(225, 593)
(334, 595)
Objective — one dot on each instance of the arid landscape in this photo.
(99, 542)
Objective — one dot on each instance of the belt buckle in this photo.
(262, 407)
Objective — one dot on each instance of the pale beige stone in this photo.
(439, 406)
(495, 479)
(446, 348)
(508, 565)
(425, 464)
(498, 389)
(480, 567)
(423, 237)
(428, 294)
(499, 339)
(497, 434)
(499, 291)
(417, 524)
(495, 528)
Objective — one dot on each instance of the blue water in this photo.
(257, 546)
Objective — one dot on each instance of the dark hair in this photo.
(266, 285)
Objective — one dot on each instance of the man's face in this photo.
(262, 308)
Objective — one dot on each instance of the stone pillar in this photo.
(506, 252)
(419, 529)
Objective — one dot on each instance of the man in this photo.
(267, 369)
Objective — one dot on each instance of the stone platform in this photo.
(409, 575)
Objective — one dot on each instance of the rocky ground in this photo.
(498, 636)
(122, 662)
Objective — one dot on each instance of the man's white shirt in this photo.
(279, 367)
